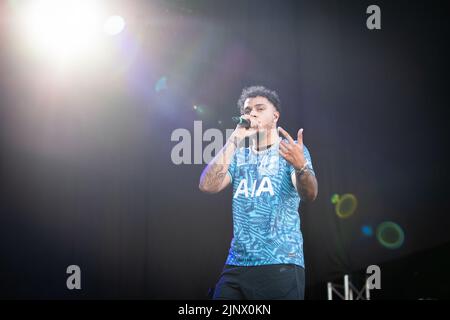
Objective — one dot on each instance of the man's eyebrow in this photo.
(256, 105)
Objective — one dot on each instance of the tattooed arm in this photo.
(306, 185)
(214, 177)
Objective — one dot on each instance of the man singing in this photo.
(269, 179)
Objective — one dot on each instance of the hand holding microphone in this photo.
(241, 121)
(245, 127)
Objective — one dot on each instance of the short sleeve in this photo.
(232, 167)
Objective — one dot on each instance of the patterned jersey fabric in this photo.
(266, 221)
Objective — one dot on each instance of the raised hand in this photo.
(291, 151)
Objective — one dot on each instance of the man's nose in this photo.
(253, 113)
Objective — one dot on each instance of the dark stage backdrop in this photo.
(85, 151)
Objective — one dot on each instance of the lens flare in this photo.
(367, 231)
(345, 205)
(390, 235)
(161, 84)
(114, 25)
(60, 29)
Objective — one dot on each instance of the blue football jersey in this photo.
(266, 221)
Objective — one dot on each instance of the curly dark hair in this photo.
(259, 91)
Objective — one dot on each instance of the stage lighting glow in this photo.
(114, 25)
(390, 235)
(60, 29)
(345, 205)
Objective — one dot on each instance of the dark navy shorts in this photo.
(267, 282)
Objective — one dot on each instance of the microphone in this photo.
(242, 122)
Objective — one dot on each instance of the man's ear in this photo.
(276, 116)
